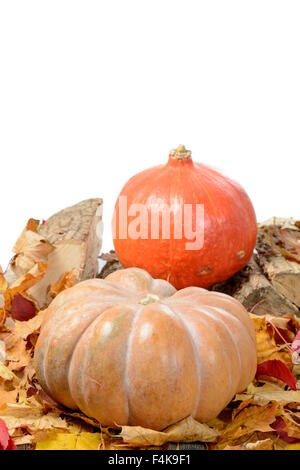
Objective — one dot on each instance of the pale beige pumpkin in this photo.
(131, 350)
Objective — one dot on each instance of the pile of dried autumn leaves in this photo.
(265, 416)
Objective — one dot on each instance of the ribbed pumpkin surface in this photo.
(131, 350)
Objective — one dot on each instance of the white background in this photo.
(92, 92)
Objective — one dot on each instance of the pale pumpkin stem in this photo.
(181, 153)
(149, 299)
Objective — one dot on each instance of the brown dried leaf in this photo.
(265, 444)
(32, 225)
(7, 396)
(267, 348)
(234, 448)
(187, 430)
(22, 284)
(24, 329)
(31, 418)
(287, 326)
(250, 419)
(31, 278)
(7, 375)
(67, 280)
(269, 392)
(30, 248)
(18, 356)
(3, 281)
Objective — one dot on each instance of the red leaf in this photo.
(6, 442)
(22, 309)
(279, 425)
(278, 370)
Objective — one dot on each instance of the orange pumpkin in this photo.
(131, 350)
(156, 220)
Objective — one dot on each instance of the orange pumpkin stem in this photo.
(181, 153)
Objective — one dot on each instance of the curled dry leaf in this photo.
(264, 444)
(30, 248)
(3, 281)
(250, 419)
(26, 328)
(67, 280)
(9, 384)
(7, 375)
(31, 418)
(2, 351)
(282, 429)
(187, 430)
(268, 393)
(8, 396)
(6, 442)
(18, 355)
(277, 369)
(16, 301)
(286, 327)
(267, 348)
(32, 277)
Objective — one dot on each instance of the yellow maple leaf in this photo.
(267, 348)
(67, 441)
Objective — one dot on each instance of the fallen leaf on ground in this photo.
(30, 417)
(3, 281)
(67, 441)
(26, 328)
(23, 308)
(281, 428)
(187, 430)
(34, 275)
(6, 442)
(17, 355)
(2, 351)
(250, 419)
(22, 284)
(7, 396)
(267, 348)
(67, 280)
(30, 248)
(7, 375)
(277, 369)
(270, 392)
(265, 444)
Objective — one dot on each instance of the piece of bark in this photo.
(253, 289)
(284, 274)
(76, 234)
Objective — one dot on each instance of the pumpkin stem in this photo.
(149, 299)
(181, 153)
